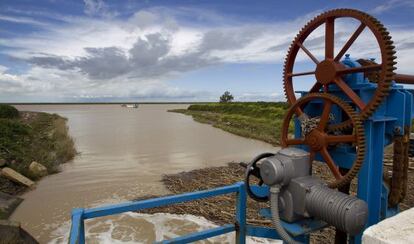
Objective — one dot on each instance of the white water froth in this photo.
(145, 228)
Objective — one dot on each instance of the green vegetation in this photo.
(31, 136)
(226, 97)
(258, 120)
(8, 112)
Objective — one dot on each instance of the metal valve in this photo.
(301, 195)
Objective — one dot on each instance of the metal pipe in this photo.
(274, 208)
(403, 78)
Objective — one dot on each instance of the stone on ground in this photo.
(2, 162)
(16, 177)
(8, 204)
(11, 232)
(37, 169)
(397, 229)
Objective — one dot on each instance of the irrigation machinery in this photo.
(352, 111)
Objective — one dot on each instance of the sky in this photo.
(173, 51)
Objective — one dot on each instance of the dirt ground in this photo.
(221, 209)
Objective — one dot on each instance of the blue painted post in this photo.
(77, 231)
(82, 232)
(370, 175)
(241, 214)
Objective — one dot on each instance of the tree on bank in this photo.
(226, 97)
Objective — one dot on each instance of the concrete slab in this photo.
(397, 229)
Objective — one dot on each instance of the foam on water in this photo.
(145, 228)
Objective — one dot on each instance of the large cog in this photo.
(330, 70)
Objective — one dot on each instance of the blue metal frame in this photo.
(395, 112)
(299, 230)
(77, 232)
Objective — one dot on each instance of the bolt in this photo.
(397, 130)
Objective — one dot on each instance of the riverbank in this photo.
(256, 120)
(32, 144)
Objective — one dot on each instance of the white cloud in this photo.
(260, 96)
(114, 57)
(392, 4)
(22, 20)
(98, 8)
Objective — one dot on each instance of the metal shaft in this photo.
(405, 79)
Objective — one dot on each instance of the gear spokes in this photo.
(331, 70)
(319, 138)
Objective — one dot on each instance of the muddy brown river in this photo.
(123, 154)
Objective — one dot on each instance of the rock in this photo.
(37, 169)
(12, 232)
(2, 162)
(16, 177)
(8, 204)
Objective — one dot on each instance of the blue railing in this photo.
(298, 230)
(79, 215)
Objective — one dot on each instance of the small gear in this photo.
(319, 138)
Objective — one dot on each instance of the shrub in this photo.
(14, 139)
(8, 112)
(226, 97)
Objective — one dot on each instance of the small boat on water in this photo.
(130, 105)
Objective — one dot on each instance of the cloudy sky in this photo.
(98, 50)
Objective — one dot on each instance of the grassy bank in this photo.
(257, 120)
(31, 136)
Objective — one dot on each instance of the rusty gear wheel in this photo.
(330, 70)
(320, 140)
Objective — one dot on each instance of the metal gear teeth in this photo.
(356, 124)
(387, 50)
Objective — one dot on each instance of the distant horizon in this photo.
(108, 103)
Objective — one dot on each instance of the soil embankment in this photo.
(32, 145)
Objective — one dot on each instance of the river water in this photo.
(123, 154)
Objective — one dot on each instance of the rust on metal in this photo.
(319, 138)
(349, 43)
(405, 79)
(330, 70)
